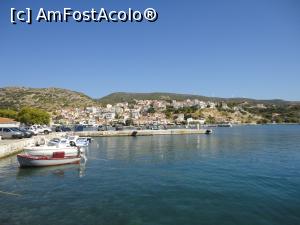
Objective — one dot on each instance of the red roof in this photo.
(6, 120)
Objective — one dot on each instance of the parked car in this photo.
(62, 129)
(8, 133)
(78, 128)
(41, 129)
(101, 128)
(105, 128)
(32, 130)
(27, 133)
(119, 127)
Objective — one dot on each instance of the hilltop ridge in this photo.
(44, 98)
(52, 98)
(128, 96)
(245, 110)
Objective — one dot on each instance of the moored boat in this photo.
(225, 125)
(82, 142)
(58, 158)
(79, 141)
(54, 145)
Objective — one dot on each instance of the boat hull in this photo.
(41, 161)
(48, 151)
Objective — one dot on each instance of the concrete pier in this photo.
(141, 132)
(12, 146)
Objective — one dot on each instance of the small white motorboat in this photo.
(82, 142)
(72, 138)
(54, 145)
(78, 141)
(58, 158)
(225, 125)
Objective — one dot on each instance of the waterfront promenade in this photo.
(141, 132)
(9, 147)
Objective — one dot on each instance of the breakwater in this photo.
(142, 132)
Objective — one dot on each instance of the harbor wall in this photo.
(13, 146)
(10, 147)
(140, 132)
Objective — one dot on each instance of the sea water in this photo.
(240, 175)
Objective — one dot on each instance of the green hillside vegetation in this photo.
(278, 113)
(27, 115)
(8, 113)
(13, 99)
(129, 97)
(45, 98)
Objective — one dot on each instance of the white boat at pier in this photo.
(58, 158)
(79, 141)
(54, 145)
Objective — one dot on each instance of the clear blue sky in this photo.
(213, 47)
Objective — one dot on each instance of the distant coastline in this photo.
(67, 107)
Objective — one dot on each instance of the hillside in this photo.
(127, 97)
(272, 110)
(54, 98)
(44, 98)
(51, 99)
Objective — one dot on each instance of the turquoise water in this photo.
(241, 175)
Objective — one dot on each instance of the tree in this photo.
(151, 110)
(168, 114)
(8, 113)
(210, 120)
(262, 121)
(187, 116)
(33, 116)
(129, 122)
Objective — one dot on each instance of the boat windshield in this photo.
(58, 142)
(64, 142)
(52, 143)
(55, 140)
(81, 139)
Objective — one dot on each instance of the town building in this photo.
(7, 122)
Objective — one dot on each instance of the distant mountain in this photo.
(44, 98)
(55, 98)
(127, 97)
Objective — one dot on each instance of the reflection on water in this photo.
(9, 166)
(243, 175)
(59, 171)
